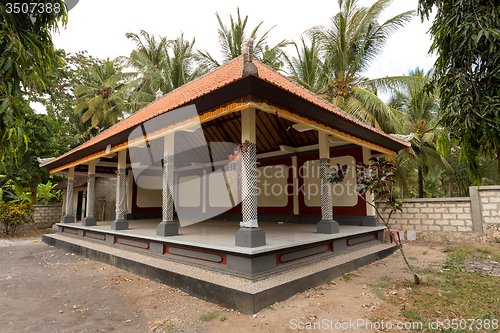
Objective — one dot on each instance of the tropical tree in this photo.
(26, 54)
(306, 67)
(43, 140)
(102, 98)
(161, 65)
(349, 46)
(420, 105)
(466, 37)
(231, 40)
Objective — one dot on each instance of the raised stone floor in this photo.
(204, 263)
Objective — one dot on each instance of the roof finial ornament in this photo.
(159, 94)
(249, 67)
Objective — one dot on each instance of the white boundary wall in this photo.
(476, 217)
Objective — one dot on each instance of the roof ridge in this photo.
(213, 70)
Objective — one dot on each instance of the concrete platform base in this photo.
(245, 295)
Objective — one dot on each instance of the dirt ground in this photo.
(44, 289)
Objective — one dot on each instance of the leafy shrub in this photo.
(13, 215)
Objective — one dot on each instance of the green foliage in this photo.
(46, 139)
(13, 215)
(466, 37)
(306, 67)
(208, 316)
(58, 96)
(448, 290)
(45, 195)
(378, 178)
(161, 65)
(26, 55)
(339, 174)
(14, 191)
(231, 40)
(348, 47)
(420, 105)
(102, 98)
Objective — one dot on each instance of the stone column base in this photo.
(250, 237)
(165, 229)
(119, 225)
(370, 221)
(89, 221)
(68, 219)
(327, 227)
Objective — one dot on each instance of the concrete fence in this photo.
(45, 217)
(475, 218)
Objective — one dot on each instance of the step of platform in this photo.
(244, 295)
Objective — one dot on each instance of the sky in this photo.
(99, 27)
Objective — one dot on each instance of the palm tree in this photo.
(306, 68)
(102, 98)
(162, 65)
(421, 107)
(348, 47)
(231, 40)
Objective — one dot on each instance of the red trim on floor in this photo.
(223, 256)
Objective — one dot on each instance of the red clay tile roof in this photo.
(212, 81)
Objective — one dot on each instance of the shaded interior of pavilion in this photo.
(204, 171)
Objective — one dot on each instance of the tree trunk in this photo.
(33, 188)
(420, 182)
(450, 190)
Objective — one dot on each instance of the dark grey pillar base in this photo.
(370, 221)
(89, 221)
(68, 219)
(119, 225)
(165, 229)
(327, 227)
(250, 237)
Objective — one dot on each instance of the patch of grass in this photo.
(378, 289)
(208, 316)
(425, 252)
(168, 328)
(459, 254)
(385, 278)
(223, 318)
(453, 292)
(270, 307)
(413, 258)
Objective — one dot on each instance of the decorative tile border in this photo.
(286, 257)
(70, 231)
(133, 243)
(194, 254)
(95, 235)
